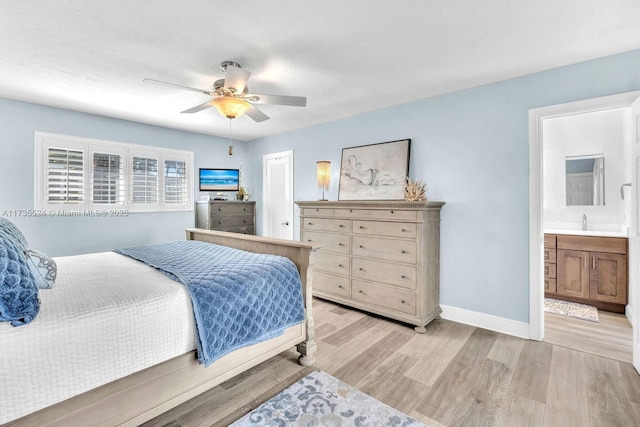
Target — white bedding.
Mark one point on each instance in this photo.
(107, 316)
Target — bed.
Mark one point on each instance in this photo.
(150, 311)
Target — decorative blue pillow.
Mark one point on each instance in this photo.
(43, 268)
(14, 232)
(19, 302)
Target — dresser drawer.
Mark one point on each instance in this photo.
(387, 229)
(549, 255)
(316, 212)
(241, 230)
(225, 222)
(336, 285)
(381, 214)
(392, 298)
(384, 249)
(331, 242)
(227, 208)
(549, 270)
(327, 224)
(385, 272)
(334, 263)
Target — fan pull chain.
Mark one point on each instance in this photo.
(230, 146)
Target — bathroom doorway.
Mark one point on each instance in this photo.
(578, 131)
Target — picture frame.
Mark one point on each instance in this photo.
(375, 171)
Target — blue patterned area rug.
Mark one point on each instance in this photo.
(571, 309)
(322, 400)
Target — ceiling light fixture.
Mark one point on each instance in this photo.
(230, 107)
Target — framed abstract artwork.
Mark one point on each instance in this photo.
(375, 171)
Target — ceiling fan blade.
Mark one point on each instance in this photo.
(256, 114)
(193, 89)
(235, 78)
(295, 101)
(198, 107)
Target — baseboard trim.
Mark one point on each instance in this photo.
(486, 321)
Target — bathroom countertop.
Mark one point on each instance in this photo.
(595, 233)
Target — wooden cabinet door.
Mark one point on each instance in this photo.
(572, 275)
(608, 281)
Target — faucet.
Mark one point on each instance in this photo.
(584, 222)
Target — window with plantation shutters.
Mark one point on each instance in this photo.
(65, 176)
(175, 182)
(144, 188)
(74, 173)
(108, 179)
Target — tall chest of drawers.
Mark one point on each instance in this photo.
(378, 256)
(236, 217)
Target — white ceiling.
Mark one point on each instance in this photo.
(346, 56)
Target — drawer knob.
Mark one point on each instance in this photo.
(403, 251)
(340, 265)
(340, 244)
(402, 302)
(361, 269)
(341, 226)
(220, 209)
(360, 291)
(219, 222)
(309, 240)
(244, 209)
(403, 277)
(340, 286)
(245, 221)
(391, 211)
(361, 246)
(310, 223)
(362, 227)
(403, 230)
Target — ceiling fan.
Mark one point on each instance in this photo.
(231, 95)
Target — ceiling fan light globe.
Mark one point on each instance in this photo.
(230, 107)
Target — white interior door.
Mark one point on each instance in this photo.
(634, 234)
(278, 195)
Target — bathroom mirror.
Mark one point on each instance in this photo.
(585, 180)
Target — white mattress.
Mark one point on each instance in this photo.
(107, 316)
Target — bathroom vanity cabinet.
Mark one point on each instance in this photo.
(588, 270)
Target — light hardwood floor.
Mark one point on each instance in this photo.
(454, 375)
(611, 337)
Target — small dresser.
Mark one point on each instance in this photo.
(378, 256)
(236, 217)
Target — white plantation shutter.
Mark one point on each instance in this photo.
(144, 189)
(108, 179)
(81, 174)
(175, 182)
(65, 176)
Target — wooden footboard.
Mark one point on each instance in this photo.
(144, 395)
(302, 255)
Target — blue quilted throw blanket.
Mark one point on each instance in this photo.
(239, 298)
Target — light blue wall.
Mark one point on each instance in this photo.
(69, 236)
(472, 150)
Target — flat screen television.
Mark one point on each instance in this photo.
(219, 179)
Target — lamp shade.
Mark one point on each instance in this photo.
(323, 174)
(230, 107)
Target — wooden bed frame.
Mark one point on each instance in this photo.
(144, 395)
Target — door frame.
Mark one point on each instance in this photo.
(266, 199)
(536, 231)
